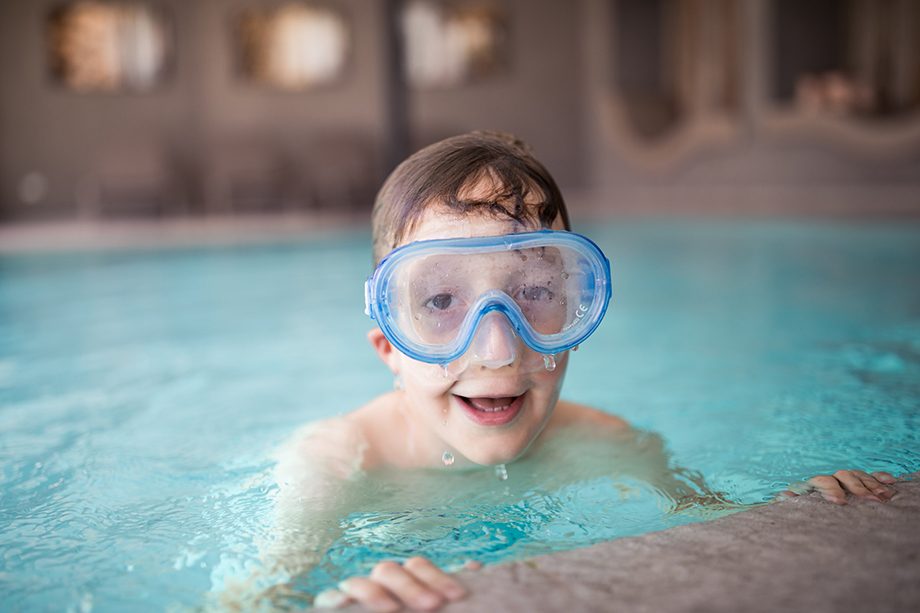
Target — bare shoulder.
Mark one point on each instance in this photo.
(336, 445)
(384, 425)
(569, 413)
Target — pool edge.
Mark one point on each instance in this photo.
(803, 554)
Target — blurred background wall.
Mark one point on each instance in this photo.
(215, 107)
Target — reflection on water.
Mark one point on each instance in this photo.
(143, 393)
(579, 489)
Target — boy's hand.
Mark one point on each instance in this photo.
(836, 487)
(416, 583)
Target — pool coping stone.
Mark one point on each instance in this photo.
(802, 554)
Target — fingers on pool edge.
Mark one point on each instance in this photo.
(435, 578)
(408, 588)
(371, 594)
(887, 479)
(858, 483)
(830, 488)
(332, 599)
(873, 484)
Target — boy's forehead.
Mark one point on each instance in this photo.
(439, 221)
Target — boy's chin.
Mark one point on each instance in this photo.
(494, 457)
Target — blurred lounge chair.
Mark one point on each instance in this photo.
(241, 179)
(135, 180)
(338, 172)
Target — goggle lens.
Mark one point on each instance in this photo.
(430, 296)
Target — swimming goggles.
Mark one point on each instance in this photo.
(430, 297)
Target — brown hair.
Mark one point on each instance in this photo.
(439, 172)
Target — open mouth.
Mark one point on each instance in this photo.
(491, 411)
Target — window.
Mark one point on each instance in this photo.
(292, 47)
(109, 47)
(676, 61)
(857, 58)
(450, 45)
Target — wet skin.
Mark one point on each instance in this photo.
(494, 413)
(495, 409)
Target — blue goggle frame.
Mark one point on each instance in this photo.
(376, 289)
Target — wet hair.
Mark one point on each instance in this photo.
(522, 189)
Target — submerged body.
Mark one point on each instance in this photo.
(497, 404)
(579, 480)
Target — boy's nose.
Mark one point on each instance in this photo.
(495, 344)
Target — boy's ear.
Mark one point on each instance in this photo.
(384, 349)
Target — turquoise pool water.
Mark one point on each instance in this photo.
(143, 392)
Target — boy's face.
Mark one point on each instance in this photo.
(497, 408)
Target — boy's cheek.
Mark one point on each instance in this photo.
(425, 384)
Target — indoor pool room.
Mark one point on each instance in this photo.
(146, 391)
(468, 306)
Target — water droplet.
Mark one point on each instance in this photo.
(445, 422)
(549, 361)
(445, 372)
(501, 473)
(418, 316)
(447, 458)
(565, 275)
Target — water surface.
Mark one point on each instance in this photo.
(143, 392)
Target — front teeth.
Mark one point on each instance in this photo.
(504, 408)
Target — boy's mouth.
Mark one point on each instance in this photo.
(491, 411)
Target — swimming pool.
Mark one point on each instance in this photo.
(142, 393)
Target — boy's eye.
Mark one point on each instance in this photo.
(441, 302)
(537, 292)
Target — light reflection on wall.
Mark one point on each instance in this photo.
(293, 47)
(103, 47)
(448, 46)
(869, 64)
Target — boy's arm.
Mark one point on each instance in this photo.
(639, 454)
(835, 487)
(687, 489)
(312, 474)
(416, 583)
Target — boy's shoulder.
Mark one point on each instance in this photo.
(368, 436)
(336, 445)
(569, 414)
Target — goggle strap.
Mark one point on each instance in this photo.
(367, 299)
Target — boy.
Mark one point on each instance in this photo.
(480, 292)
